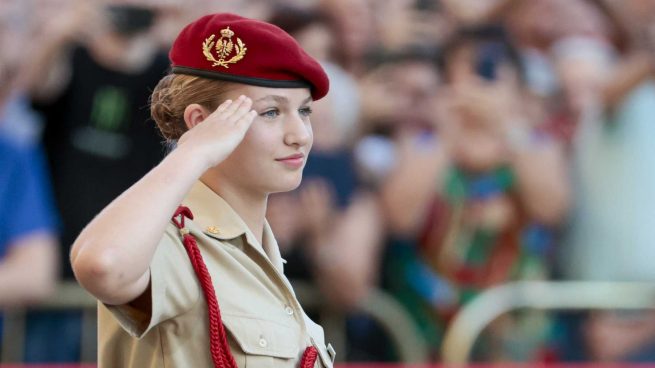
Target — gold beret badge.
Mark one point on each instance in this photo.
(224, 48)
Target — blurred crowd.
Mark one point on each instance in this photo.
(463, 144)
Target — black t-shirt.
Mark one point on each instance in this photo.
(99, 139)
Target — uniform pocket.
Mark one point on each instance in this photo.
(260, 338)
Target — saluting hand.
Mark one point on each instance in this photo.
(215, 137)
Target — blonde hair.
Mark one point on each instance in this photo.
(175, 92)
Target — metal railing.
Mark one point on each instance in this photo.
(379, 306)
(382, 308)
(69, 296)
(568, 295)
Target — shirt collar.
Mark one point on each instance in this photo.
(213, 214)
(217, 219)
(271, 248)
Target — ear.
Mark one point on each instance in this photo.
(194, 114)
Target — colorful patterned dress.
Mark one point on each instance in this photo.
(476, 236)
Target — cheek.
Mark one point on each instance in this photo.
(252, 149)
(310, 131)
(260, 137)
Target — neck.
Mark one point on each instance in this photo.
(250, 206)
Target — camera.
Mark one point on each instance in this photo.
(129, 20)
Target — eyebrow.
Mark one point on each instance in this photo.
(281, 99)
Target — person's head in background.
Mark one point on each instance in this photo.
(480, 55)
(355, 27)
(398, 91)
(313, 28)
(539, 23)
(583, 66)
(484, 96)
(584, 50)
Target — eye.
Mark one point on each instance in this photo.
(305, 111)
(270, 113)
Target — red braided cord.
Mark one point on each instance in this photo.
(219, 348)
(309, 357)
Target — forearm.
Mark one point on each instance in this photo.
(47, 70)
(45, 74)
(408, 189)
(349, 253)
(28, 274)
(630, 73)
(111, 257)
(542, 181)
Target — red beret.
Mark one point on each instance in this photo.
(237, 49)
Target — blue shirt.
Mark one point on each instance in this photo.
(26, 204)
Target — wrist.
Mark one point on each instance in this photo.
(186, 159)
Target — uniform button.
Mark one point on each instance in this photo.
(263, 343)
(289, 310)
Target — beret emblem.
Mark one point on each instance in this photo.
(223, 49)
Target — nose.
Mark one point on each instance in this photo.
(298, 131)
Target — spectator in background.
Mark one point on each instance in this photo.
(489, 194)
(29, 262)
(90, 75)
(397, 96)
(612, 228)
(311, 27)
(28, 236)
(92, 83)
(354, 28)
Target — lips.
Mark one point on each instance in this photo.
(295, 161)
(291, 157)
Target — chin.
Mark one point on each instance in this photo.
(286, 184)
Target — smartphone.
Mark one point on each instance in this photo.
(130, 19)
(427, 5)
(490, 55)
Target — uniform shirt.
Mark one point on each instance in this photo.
(265, 324)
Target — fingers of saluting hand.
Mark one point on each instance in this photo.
(233, 111)
(244, 112)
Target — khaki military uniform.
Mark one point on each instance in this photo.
(265, 324)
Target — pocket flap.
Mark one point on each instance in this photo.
(263, 337)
